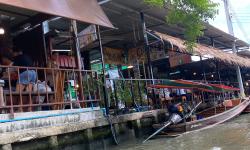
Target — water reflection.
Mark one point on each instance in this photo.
(233, 135)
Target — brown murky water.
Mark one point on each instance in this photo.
(232, 135)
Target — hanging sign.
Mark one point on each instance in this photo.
(87, 36)
(176, 59)
(113, 56)
(157, 54)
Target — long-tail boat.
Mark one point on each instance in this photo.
(209, 117)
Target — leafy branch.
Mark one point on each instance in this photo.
(189, 14)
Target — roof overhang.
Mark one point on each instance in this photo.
(125, 15)
(87, 11)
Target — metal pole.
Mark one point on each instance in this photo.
(231, 31)
(146, 46)
(147, 49)
(239, 78)
(116, 97)
(132, 93)
(103, 71)
(203, 69)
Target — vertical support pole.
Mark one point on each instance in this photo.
(139, 91)
(53, 142)
(44, 43)
(116, 97)
(132, 93)
(88, 134)
(77, 46)
(11, 98)
(147, 49)
(137, 128)
(78, 56)
(6, 147)
(203, 69)
(231, 31)
(103, 71)
(146, 45)
(217, 72)
(238, 73)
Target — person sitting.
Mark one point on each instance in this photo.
(27, 77)
(6, 61)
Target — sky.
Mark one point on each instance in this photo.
(242, 15)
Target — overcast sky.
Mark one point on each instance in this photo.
(242, 10)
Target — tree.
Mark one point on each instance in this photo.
(189, 14)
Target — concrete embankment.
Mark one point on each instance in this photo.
(66, 129)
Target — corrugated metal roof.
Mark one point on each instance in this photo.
(124, 14)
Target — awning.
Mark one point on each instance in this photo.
(203, 50)
(87, 11)
(186, 84)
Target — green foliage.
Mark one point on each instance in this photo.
(123, 91)
(189, 14)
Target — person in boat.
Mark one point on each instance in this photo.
(175, 109)
(181, 93)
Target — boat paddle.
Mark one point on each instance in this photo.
(174, 119)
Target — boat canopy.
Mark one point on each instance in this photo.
(185, 84)
(88, 11)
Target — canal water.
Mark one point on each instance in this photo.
(232, 135)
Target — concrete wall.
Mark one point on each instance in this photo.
(19, 131)
(59, 123)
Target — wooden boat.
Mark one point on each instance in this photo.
(210, 117)
(247, 110)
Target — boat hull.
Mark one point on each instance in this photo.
(207, 122)
(217, 119)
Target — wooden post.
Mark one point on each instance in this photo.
(6, 147)
(78, 57)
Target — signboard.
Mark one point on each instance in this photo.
(87, 36)
(176, 59)
(157, 55)
(135, 54)
(113, 74)
(113, 56)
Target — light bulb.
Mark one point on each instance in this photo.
(2, 31)
(129, 67)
